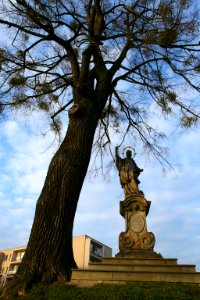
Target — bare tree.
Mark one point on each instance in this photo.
(77, 54)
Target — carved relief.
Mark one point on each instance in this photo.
(136, 237)
(128, 240)
(137, 222)
(148, 240)
(134, 204)
(125, 240)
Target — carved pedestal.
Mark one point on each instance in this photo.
(136, 241)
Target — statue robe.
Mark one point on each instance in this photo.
(128, 172)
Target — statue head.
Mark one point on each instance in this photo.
(128, 154)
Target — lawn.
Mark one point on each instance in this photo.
(135, 291)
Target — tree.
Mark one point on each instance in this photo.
(78, 53)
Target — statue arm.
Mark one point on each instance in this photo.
(138, 171)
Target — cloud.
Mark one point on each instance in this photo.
(23, 163)
(175, 207)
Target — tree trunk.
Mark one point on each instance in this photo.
(49, 254)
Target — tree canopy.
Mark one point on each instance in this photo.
(148, 49)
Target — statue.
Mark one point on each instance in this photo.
(128, 172)
(135, 241)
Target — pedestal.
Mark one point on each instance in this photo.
(136, 241)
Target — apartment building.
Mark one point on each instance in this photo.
(9, 262)
(86, 250)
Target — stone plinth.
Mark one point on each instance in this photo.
(121, 270)
(136, 241)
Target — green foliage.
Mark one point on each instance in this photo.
(17, 81)
(56, 125)
(168, 37)
(197, 68)
(21, 100)
(165, 11)
(171, 96)
(44, 88)
(134, 110)
(54, 98)
(166, 99)
(20, 54)
(43, 105)
(74, 25)
(131, 291)
(188, 121)
(164, 105)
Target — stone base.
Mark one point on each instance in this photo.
(122, 270)
(138, 253)
(136, 241)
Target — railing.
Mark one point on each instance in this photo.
(11, 272)
(17, 256)
(14, 259)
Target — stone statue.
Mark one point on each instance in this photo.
(128, 172)
(136, 241)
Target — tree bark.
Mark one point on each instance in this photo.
(49, 254)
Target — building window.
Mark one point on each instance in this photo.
(96, 250)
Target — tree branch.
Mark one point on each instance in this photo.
(62, 109)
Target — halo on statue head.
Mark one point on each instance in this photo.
(129, 147)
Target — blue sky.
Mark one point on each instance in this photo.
(175, 209)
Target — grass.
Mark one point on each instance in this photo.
(131, 291)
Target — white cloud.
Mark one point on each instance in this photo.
(173, 217)
(24, 163)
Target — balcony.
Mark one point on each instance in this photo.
(16, 261)
(17, 256)
(12, 272)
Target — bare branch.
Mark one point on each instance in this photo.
(62, 109)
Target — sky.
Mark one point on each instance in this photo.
(175, 196)
(174, 216)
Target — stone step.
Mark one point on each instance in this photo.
(92, 277)
(139, 261)
(142, 267)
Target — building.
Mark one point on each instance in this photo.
(86, 250)
(9, 262)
